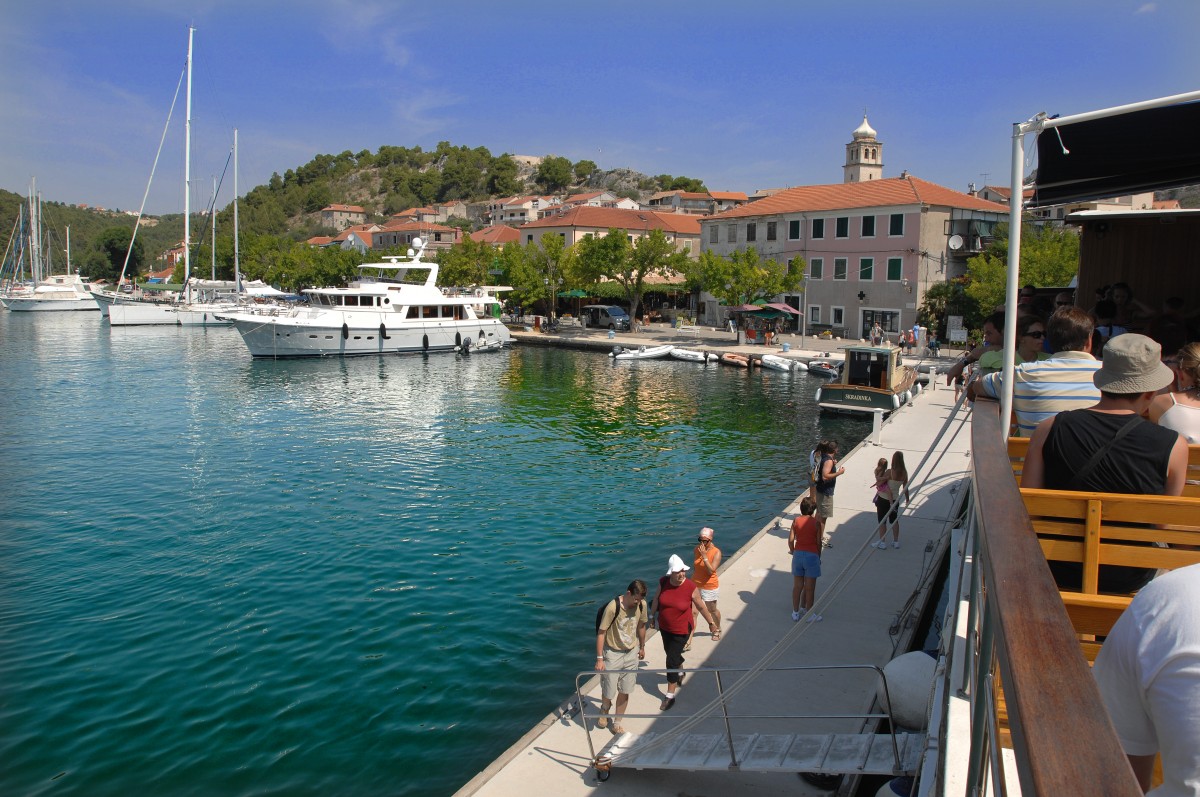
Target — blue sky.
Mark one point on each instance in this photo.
(743, 95)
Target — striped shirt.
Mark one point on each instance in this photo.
(1046, 388)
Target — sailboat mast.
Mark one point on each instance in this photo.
(35, 234)
(212, 213)
(237, 272)
(68, 249)
(187, 173)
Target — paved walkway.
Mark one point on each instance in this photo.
(879, 593)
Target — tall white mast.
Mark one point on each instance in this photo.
(187, 173)
(68, 248)
(213, 213)
(237, 273)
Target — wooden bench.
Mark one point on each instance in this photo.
(1018, 446)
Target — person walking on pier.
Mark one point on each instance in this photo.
(804, 543)
(897, 479)
(620, 644)
(706, 559)
(672, 612)
(826, 483)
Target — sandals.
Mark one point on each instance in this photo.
(602, 720)
(616, 729)
(667, 703)
(716, 635)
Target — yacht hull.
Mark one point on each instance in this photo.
(331, 335)
(21, 304)
(149, 314)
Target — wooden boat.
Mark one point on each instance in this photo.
(776, 363)
(827, 368)
(640, 353)
(872, 378)
(693, 356)
(738, 360)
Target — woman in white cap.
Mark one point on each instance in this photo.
(672, 612)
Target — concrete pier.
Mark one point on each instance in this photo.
(870, 600)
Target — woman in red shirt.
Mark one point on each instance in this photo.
(672, 612)
(805, 545)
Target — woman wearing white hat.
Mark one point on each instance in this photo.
(672, 612)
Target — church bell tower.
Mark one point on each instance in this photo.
(864, 156)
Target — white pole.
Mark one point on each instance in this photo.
(1014, 273)
(187, 174)
(237, 273)
(213, 223)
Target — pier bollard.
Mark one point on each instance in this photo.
(876, 426)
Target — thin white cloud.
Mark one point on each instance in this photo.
(1147, 8)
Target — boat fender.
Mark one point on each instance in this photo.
(817, 397)
(425, 342)
(458, 339)
(895, 401)
(909, 677)
(383, 332)
(345, 330)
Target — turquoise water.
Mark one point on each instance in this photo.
(359, 576)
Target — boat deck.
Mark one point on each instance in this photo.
(878, 601)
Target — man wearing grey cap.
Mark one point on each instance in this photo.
(1109, 447)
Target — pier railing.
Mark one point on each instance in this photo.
(1020, 636)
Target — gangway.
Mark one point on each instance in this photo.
(757, 748)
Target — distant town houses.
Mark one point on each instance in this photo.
(695, 203)
(574, 224)
(497, 235)
(339, 217)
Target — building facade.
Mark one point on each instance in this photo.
(872, 245)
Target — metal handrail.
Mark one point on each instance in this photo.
(588, 675)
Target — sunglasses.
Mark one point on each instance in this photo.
(1037, 333)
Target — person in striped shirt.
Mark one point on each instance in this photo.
(1045, 388)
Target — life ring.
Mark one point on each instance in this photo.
(479, 292)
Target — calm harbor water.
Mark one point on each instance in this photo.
(363, 576)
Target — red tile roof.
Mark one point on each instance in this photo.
(358, 228)
(872, 193)
(496, 234)
(733, 195)
(319, 240)
(344, 208)
(415, 226)
(603, 218)
(1006, 191)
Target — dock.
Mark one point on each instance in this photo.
(870, 600)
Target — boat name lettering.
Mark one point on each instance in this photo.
(858, 396)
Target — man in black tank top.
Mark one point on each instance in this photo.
(1109, 448)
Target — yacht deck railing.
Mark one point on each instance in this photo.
(1019, 634)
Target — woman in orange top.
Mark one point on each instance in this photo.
(707, 558)
(804, 543)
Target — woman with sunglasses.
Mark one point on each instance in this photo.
(1031, 332)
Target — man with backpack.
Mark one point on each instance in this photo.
(620, 629)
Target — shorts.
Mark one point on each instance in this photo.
(613, 683)
(885, 507)
(709, 595)
(805, 564)
(824, 505)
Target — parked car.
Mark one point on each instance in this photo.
(606, 316)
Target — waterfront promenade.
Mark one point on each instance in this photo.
(871, 618)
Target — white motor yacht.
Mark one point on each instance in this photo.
(383, 311)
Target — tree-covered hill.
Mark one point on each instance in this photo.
(288, 206)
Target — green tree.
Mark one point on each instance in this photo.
(466, 263)
(1049, 258)
(551, 262)
(743, 276)
(584, 169)
(944, 299)
(110, 248)
(502, 177)
(553, 173)
(614, 258)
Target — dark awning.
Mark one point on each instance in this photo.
(1127, 153)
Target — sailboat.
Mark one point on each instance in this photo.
(49, 292)
(202, 301)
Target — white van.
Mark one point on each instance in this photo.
(605, 316)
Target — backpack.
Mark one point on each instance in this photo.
(600, 612)
(815, 476)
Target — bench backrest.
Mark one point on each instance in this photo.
(1017, 446)
(1114, 529)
